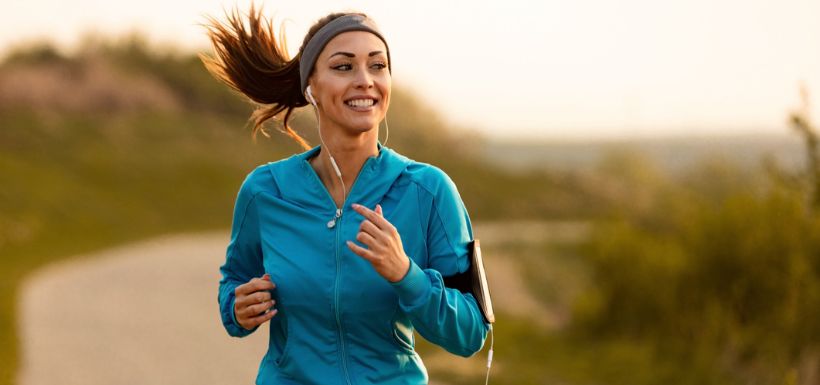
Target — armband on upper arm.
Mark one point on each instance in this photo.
(474, 281)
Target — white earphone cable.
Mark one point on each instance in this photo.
(386, 130)
(324, 146)
(332, 160)
(489, 356)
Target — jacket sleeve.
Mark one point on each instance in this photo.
(243, 259)
(444, 316)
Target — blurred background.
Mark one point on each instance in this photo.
(644, 177)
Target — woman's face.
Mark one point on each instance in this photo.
(351, 82)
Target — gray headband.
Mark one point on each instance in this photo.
(346, 23)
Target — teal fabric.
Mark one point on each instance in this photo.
(339, 322)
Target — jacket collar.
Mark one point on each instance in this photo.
(298, 182)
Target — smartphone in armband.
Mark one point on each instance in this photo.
(474, 281)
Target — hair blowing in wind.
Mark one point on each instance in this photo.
(250, 59)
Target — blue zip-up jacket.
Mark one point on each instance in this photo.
(340, 322)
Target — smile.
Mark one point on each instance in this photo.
(361, 103)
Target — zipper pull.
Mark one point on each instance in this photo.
(332, 223)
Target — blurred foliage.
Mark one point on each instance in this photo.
(717, 269)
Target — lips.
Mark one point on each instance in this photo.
(361, 102)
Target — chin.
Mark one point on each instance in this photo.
(361, 129)
(362, 126)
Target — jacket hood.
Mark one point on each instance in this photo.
(299, 184)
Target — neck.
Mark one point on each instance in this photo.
(350, 154)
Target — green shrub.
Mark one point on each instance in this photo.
(717, 267)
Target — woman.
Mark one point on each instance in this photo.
(342, 248)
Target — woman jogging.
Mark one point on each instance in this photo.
(340, 249)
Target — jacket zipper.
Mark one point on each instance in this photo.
(336, 298)
(335, 223)
(332, 223)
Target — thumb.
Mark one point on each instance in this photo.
(379, 209)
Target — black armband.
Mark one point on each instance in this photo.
(474, 281)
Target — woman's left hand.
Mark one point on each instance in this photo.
(384, 250)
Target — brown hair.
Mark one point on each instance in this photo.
(250, 60)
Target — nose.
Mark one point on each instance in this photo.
(363, 79)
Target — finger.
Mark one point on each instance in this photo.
(370, 228)
(243, 301)
(361, 251)
(257, 309)
(266, 283)
(258, 284)
(258, 320)
(377, 219)
(244, 288)
(261, 296)
(366, 239)
(255, 284)
(379, 210)
(253, 298)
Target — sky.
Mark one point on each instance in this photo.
(552, 69)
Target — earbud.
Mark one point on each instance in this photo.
(310, 96)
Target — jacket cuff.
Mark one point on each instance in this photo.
(414, 286)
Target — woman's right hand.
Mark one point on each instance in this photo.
(253, 305)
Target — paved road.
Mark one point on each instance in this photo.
(146, 313)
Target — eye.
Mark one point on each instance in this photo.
(378, 66)
(342, 67)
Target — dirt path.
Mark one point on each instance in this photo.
(141, 314)
(146, 313)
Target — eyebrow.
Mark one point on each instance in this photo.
(348, 54)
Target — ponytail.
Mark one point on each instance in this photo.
(251, 61)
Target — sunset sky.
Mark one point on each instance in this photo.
(567, 69)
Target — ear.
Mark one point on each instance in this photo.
(309, 96)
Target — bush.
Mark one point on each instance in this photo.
(717, 266)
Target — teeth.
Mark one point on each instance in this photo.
(360, 102)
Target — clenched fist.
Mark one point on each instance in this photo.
(254, 305)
